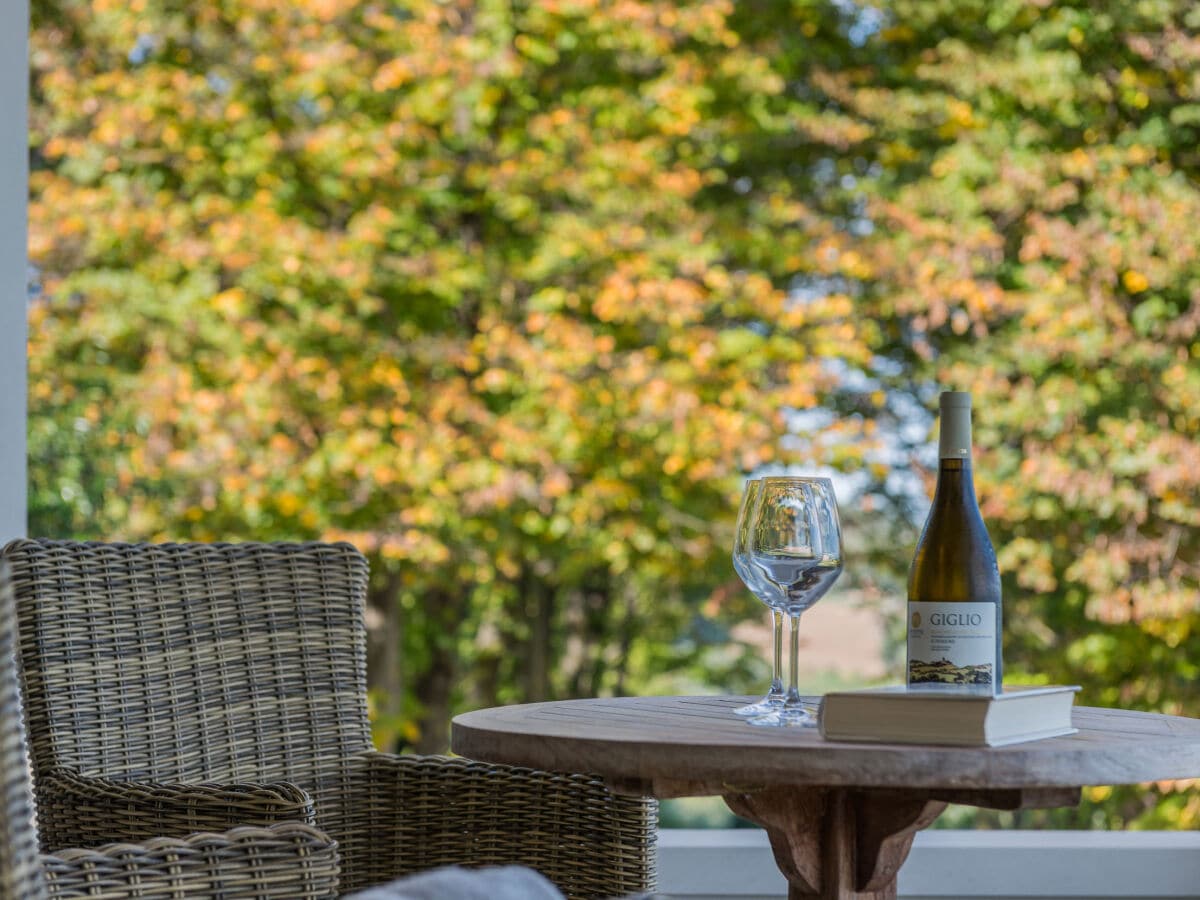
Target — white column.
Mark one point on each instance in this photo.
(14, 181)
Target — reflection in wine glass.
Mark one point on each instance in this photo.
(768, 593)
(794, 539)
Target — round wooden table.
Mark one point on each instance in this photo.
(841, 817)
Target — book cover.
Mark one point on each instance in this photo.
(928, 715)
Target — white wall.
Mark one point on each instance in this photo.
(736, 864)
(14, 179)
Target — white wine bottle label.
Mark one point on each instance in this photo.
(952, 645)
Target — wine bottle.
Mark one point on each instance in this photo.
(954, 582)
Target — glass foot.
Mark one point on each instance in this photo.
(771, 703)
(785, 717)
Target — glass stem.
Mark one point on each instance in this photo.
(777, 666)
(793, 693)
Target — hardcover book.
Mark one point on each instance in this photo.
(927, 715)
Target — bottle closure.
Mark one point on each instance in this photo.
(954, 434)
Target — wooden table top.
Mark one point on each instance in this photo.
(700, 739)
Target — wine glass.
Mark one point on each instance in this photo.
(769, 594)
(795, 540)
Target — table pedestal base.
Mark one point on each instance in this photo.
(849, 843)
(838, 844)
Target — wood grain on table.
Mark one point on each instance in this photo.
(699, 738)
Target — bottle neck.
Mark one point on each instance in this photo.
(957, 470)
(955, 488)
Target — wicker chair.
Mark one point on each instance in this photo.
(181, 687)
(287, 861)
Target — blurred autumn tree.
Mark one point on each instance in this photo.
(1035, 242)
(499, 292)
(511, 294)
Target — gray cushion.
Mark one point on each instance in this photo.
(455, 883)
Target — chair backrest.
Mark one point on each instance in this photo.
(20, 867)
(192, 662)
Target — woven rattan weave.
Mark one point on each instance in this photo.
(172, 687)
(291, 861)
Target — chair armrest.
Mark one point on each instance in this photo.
(82, 811)
(405, 814)
(291, 861)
